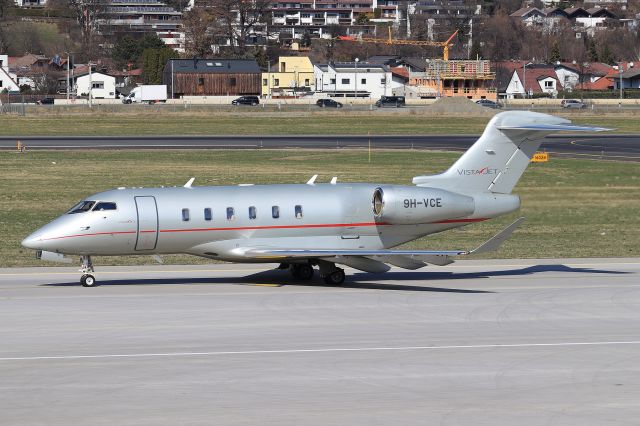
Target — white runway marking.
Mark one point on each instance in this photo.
(320, 350)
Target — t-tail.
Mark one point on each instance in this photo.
(497, 160)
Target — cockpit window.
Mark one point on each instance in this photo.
(104, 205)
(82, 207)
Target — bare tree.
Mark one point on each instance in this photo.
(241, 18)
(197, 32)
(87, 14)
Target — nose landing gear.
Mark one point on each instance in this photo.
(87, 279)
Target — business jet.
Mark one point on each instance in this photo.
(303, 226)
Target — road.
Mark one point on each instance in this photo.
(615, 147)
(499, 342)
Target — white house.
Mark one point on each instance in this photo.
(7, 79)
(351, 79)
(101, 86)
(533, 79)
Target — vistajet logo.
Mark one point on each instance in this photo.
(474, 172)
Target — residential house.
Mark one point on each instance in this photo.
(292, 76)
(97, 84)
(30, 3)
(630, 79)
(212, 77)
(533, 79)
(7, 79)
(355, 79)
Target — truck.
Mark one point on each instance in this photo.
(150, 93)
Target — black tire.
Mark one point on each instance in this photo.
(305, 272)
(88, 280)
(335, 278)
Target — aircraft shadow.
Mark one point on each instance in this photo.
(359, 280)
(530, 270)
(274, 278)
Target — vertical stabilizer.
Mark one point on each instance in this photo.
(497, 160)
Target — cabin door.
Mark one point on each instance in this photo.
(147, 237)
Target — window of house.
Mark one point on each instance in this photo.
(230, 214)
(306, 82)
(363, 81)
(185, 215)
(265, 81)
(0, 83)
(276, 82)
(232, 81)
(346, 81)
(548, 84)
(97, 85)
(253, 212)
(383, 81)
(200, 81)
(332, 81)
(275, 212)
(207, 214)
(298, 212)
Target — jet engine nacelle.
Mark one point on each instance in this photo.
(409, 205)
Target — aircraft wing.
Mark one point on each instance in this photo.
(374, 260)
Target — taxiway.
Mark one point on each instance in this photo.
(497, 342)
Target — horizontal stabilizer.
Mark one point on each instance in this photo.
(555, 128)
(497, 240)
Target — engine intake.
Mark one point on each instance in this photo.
(404, 205)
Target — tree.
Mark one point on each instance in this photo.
(198, 36)
(128, 50)
(555, 53)
(240, 18)
(592, 50)
(5, 7)
(87, 13)
(476, 50)
(607, 56)
(362, 19)
(154, 61)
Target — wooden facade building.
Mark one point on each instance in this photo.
(212, 77)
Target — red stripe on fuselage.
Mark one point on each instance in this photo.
(253, 228)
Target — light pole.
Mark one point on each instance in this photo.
(268, 79)
(90, 87)
(524, 80)
(620, 69)
(356, 95)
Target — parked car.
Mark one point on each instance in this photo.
(45, 101)
(329, 103)
(488, 103)
(572, 103)
(391, 101)
(246, 100)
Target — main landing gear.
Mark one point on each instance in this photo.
(331, 274)
(87, 279)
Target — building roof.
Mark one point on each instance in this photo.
(536, 73)
(526, 12)
(630, 73)
(400, 72)
(603, 83)
(214, 66)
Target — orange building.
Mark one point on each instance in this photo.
(471, 79)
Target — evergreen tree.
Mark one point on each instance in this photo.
(555, 53)
(592, 50)
(607, 56)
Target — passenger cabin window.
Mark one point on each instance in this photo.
(207, 213)
(252, 212)
(230, 214)
(104, 205)
(82, 207)
(275, 212)
(185, 215)
(298, 212)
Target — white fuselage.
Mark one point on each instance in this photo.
(197, 220)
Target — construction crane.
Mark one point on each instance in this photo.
(444, 44)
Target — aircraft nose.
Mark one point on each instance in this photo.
(32, 242)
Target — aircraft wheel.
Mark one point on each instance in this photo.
(335, 278)
(88, 280)
(302, 271)
(305, 272)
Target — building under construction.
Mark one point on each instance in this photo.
(440, 78)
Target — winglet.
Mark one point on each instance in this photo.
(188, 184)
(496, 241)
(334, 180)
(312, 180)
